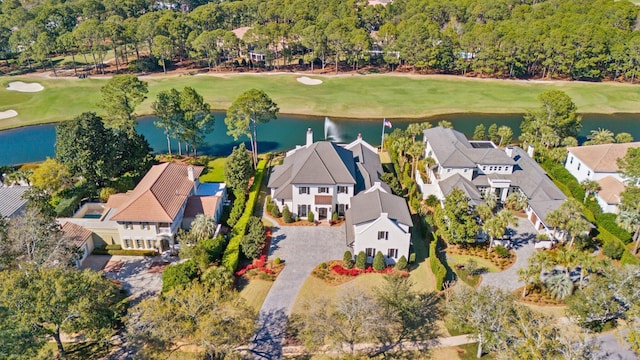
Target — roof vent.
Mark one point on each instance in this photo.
(309, 137)
(190, 173)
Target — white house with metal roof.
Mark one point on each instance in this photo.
(379, 221)
(600, 163)
(322, 177)
(11, 202)
(478, 167)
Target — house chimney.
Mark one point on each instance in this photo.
(509, 151)
(190, 173)
(530, 151)
(359, 136)
(309, 137)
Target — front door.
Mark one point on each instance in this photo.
(322, 213)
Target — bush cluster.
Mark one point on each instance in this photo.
(438, 269)
(379, 263)
(287, 217)
(402, 263)
(272, 208)
(231, 255)
(613, 249)
(347, 260)
(104, 251)
(179, 275)
(361, 260)
(502, 251)
(238, 207)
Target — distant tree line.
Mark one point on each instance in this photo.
(577, 39)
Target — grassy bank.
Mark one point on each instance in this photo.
(357, 96)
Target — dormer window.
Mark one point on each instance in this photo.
(342, 189)
(303, 190)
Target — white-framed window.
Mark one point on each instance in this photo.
(303, 210)
(342, 208)
(150, 244)
(145, 226)
(128, 225)
(343, 189)
(323, 190)
(589, 173)
(579, 166)
(370, 251)
(383, 235)
(127, 243)
(484, 168)
(139, 243)
(392, 253)
(448, 170)
(571, 160)
(303, 190)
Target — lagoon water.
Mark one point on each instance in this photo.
(35, 143)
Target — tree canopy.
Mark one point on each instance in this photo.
(250, 109)
(120, 96)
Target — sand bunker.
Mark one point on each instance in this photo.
(25, 87)
(8, 114)
(309, 81)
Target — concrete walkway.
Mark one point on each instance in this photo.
(524, 248)
(302, 248)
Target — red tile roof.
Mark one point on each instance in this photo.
(201, 205)
(75, 234)
(158, 197)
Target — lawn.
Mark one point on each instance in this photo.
(352, 96)
(462, 259)
(255, 292)
(215, 171)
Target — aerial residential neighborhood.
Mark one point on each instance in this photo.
(262, 179)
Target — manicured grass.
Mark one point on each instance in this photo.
(314, 289)
(353, 96)
(215, 171)
(462, 259)
(421, 274)
(468, 352)
(255, 292)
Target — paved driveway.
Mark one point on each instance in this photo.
(302, 248)
(141, 276)
(523, 245)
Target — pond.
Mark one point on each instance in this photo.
(35, 143)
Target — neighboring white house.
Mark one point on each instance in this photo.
(11, 202)
(599, 163)
(379, 221)
(479, 167)
(149, 216)
(322, 177)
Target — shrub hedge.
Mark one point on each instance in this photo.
(231, 255)
(103, 251)
(439, 270)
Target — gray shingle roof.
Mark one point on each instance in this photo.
(544, 196)
(325, 163)
(453, 150)
(458, 181)
(368, 206)
(11, 201)
(322, 163)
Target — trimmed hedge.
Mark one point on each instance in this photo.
(67, 206)
(102, 251)
(231, 255)
(629, 259)
(439, 270)
(608, 222)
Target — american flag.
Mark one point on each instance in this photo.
(387, 123)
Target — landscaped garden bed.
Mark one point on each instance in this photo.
(334, 273)
(537, 297)
(501, 260)
(262, 269)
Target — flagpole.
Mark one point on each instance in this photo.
(382, 143)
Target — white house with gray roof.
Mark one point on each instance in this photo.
(477, 167)
(322, 177)
(379, 221)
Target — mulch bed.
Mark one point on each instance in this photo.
(537, 298)
(333, 273)
(482, 252)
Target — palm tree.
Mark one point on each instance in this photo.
(401, 145)
(555, 218)
(202, 227)
(415, 151)
(590, 187)
(516, 201)
(559, 285)
(484, 212)
(576, 226)
(507, 217)
(600, 136)
(494, 228)
(491, 199)
(528, 275)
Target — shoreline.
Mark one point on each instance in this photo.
(428, 118)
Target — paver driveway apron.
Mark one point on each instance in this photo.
(302, 248)
(524, 248)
